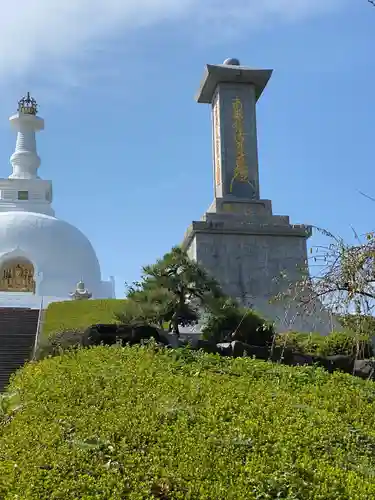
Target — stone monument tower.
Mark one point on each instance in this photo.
(254, 254)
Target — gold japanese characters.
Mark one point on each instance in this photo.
(240, 173)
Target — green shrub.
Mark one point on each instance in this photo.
(347, 343)
(358, 323)
(343, 342)
(229, 318)
(306, 343)
(79, 314)
(114, 423)
(104, 334)
(57, 343)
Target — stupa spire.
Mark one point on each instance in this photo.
(25, 160)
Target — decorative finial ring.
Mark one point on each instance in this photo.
(27, 105)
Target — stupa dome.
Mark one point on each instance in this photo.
(41, 257)
(57, 253)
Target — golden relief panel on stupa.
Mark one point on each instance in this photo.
(17, 276)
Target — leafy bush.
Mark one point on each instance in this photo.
(99, 334)
(145, 310)
(59, 342)
(115, 423)
(229, 321)
(79, 314)
(125, 334)
(343, 342)
(347, 343)
(358, 323)
(65, 322)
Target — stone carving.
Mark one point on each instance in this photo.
(17, 276)
(240, 173)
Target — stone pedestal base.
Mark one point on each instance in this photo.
(255, 256)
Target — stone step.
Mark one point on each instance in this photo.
(17, 336)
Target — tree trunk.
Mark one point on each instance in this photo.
(177, 314)
(174, 325)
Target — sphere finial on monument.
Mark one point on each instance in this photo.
(232, 61)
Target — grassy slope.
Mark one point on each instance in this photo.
(115, 423)
(78, 314)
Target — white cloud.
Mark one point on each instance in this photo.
(41, 32)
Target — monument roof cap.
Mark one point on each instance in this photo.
(231, 73)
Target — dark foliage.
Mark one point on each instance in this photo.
(59, 342)
(173, 291)
(124, 334)
(99, 334)
(228, 321)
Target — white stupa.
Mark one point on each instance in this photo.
(40, 255)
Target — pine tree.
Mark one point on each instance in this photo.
(174, 290)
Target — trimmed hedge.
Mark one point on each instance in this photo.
(59, 342)
(140, 423)
(77, 315)
(345, 343)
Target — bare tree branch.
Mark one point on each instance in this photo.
(360, 192)
(342, 278)
(372, 2)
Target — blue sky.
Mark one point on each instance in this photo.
(128, 148)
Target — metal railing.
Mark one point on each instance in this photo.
(38, 326)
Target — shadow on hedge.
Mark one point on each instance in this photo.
(111, 334)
